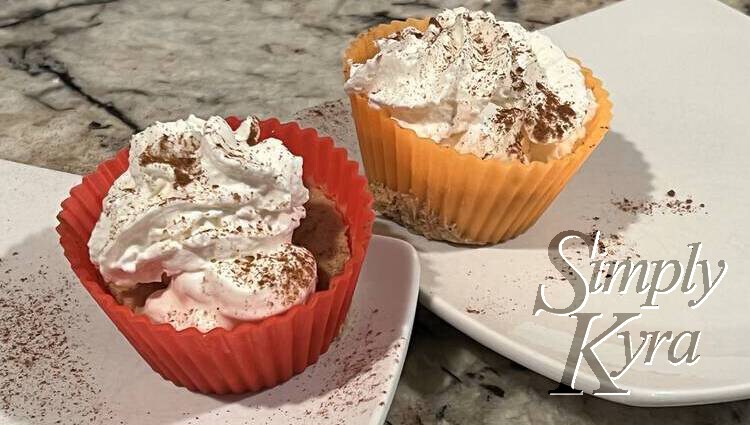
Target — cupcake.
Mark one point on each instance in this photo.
(469, 127)
(226, 254)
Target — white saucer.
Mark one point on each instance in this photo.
(97, 376)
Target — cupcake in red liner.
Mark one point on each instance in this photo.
(252, 355)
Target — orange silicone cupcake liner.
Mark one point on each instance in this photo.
(253, 355)
(485, 201)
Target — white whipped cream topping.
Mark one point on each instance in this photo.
(197, 195)
(483, 86)
(231, 291)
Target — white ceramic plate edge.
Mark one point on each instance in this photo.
(413, 299)
(550, 368)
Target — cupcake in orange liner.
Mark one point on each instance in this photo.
(435, 190)
(253, 354)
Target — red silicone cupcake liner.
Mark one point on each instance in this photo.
(253, 355)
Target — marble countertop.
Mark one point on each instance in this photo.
(78, 77)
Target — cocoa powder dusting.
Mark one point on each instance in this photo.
(254, 136)
(672, 204)
(180, 154)
(516, 149)
(553, 117)
(354, 375)
(507, 117)
(45, 377)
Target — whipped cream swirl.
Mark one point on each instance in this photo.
(214, 210)
(483, 86)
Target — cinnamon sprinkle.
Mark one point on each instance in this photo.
(671, 204)
(45, 375)
(553, 118)
(184, 161)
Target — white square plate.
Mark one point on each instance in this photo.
(64, 359)
(678, 72)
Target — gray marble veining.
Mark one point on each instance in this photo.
(77, 77)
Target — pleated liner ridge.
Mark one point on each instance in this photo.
(253, 355)
(486, 201)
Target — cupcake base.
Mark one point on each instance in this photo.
(323, 233)
(135, 296)
(409, 211)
